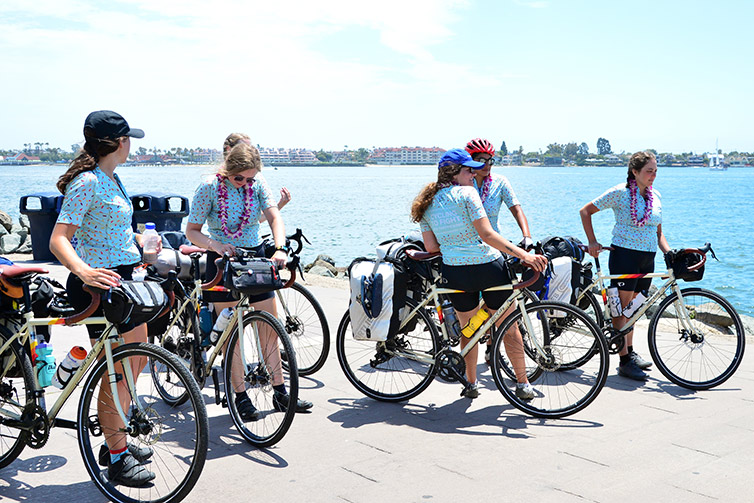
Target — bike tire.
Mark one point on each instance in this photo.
(532, 370)
(385, 371)
(558, 393)
(705, 358)
(179, 340)
(580, 353)
(306, 325)
(258, 373)
(15, 372)
(177, 434)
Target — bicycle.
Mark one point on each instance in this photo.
(405, 364)
(177, 435)
(249, 367)
(696, 337)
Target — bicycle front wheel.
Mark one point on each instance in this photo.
(394, 370)
(306, 325)
(177, 436)
(558, 392)
(253, 365)
(16, 394)
(697, 342)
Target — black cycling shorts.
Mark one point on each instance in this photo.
(228, 296)
(472, 279)
(627, 261)
(80, 299)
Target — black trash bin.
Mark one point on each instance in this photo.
(165, 210)
(42, 209)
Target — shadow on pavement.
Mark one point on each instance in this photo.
(21, 491)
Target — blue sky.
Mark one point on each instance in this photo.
(669, 75)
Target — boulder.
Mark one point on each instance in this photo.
(24, 221)
(25, 247)
(325, 258)
(322, 263)
(10, 243)
(321, 271)
(6, 221)
(3, 230)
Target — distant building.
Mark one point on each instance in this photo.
(21, 159)
(553, 161)
(406, 155)
(695, 160)
(272, 156)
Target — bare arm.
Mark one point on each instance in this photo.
(495, 240)
(523, 223)
(430, 241)
(278, 233)
(285, 198)
(195, 235)
(661, 241)
(61, 247)
(586, 213)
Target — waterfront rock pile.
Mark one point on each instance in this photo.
(324, 265)
(15, 237)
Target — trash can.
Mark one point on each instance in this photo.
(42, 209)
(165, 210)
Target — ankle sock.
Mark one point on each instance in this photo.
(625, 359)
(630, 349)
(280, 388)
(116, 455)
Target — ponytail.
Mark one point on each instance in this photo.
(87, 158)
(445, 176)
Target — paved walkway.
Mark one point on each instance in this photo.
(636, 442)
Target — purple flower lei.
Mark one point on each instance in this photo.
(647, 209)
(486, 187)
(222, 197)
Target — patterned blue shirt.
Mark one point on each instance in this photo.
(450, 217)
(500, 192)
(205, 208)
(625, 233)
(101, 209)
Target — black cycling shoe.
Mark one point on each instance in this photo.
(129, 472)
(281, 401)
(245, 408)
(632, 371)
(140, 453)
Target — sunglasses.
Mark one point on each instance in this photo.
(243, 179)
(488, 160)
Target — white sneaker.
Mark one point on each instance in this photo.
(524, 391)
(471, 392)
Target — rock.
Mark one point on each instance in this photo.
(3, 230)
(24, 221)
(322, 263)
(22, 233)
(6, 221)
(321, 271)
(24, 248)
(9, 243)
(748, 323)
(325, 258)
(16, 228)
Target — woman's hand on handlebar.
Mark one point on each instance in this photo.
(99, 278)
(594, 249)
(279, 258)
(222, 248)
(535, 262)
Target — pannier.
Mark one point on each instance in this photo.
(565, 246)
(134, 302)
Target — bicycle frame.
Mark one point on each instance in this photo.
(104, 342)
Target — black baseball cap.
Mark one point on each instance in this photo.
(108, 125)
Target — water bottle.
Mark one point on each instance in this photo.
(475, 322)
(68, 366)
(205, 323)
(450, 320)
(613, 302)
(149, 242)
(635, 304)
(45, 364)
(220, 324)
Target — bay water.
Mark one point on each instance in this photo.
(346, 211)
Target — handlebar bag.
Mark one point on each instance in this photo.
(134, 302)
(252, 276)
(681, 266)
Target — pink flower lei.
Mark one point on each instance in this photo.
(647, 209)
(222, 196)
(486, 188)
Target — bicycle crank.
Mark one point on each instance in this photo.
(450, 366)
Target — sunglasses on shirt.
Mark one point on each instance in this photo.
(243, 179)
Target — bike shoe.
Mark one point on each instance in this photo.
(639, 361)
(281, 401)
(140, 453)
(488, 355)
(245, 408)
(129, 472)
(632, 371)
(471, 391)
(524, 391)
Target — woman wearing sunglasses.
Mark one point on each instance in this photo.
(230, 202)
(494, 190)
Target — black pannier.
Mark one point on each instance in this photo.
(134, 303)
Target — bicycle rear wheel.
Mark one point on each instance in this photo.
(177, 435)
(16, 394)
(708, 354)
(262, 338)
(395, 370)
(306, 325)
(558, 392)
(579, 352)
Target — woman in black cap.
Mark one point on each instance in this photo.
(97, 212)
(453, 221)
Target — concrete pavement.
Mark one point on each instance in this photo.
(649, 442)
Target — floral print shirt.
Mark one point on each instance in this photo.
(205, 208)
(101, 209)
(450, 217)
(500, 192)
(625, 233)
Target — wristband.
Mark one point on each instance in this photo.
(283, 248)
